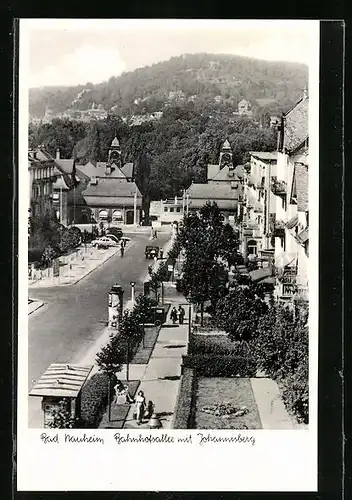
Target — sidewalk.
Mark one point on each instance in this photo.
(77, 266)
(160, 379)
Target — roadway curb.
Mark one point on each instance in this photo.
(39, 305)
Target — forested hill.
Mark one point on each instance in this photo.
(201, 77)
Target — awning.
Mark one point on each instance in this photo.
(303, 236)
(292, 222)
(260, 274)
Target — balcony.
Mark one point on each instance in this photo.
(301, 293)
(279, 188)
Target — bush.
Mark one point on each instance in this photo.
(209, 365)
(94, 398)
(217, 345)
(295, 393)
(69, 239)
(185, 406)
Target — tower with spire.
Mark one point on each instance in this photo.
(114, 155)
(226, 155)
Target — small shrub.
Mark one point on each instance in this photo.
(209, 365)
(94, 399)
(217, 345)
(185, 407)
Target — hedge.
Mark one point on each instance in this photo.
(209, 365)
(94, 399)
(217, 345)
(185, 406)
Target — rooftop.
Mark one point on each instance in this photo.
(61, 380)
(296, 125)
(265, 155)
(300, 179)
(112, 187)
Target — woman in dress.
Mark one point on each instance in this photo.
(140, 406)
(173, 315)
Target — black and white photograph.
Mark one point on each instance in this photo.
(171, 244)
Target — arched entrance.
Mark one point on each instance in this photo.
(129, 217)
(252, 247)
(103, 215)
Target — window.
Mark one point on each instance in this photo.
(171, 209)
(117, 215)
(178, 209)
(165, 209)
(56, 196)
(103, 214)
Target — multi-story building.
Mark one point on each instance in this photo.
(289, 226)
(256, 205)
(52, 185)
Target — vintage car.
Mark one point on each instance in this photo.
(151, 252)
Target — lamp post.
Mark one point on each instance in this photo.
(189, 316)
(132, 283)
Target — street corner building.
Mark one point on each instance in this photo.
(110, 192)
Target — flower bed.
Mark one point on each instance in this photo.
(210, 365)
(233, 395)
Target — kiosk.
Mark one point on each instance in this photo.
(115, 305)
(58, 382)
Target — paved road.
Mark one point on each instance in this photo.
(73, 316)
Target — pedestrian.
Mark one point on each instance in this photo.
(150, 410)
(122, 250)
(173, 315)
(140, 407)
(161, 253)
(181, 314)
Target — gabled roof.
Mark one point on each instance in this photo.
(115, 142)
(222, 194)
(99, 170)
(296, 125)
(60, 183)
(112, 187)
(226, 145)
(223, 175)
(213, 170)
(66, 165)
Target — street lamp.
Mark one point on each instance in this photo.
(132, 283)
(189, 316)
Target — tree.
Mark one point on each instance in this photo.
(130, 334)
(109, 360)
(239, 313)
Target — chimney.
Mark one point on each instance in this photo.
(58, 154)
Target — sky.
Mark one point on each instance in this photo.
(73, 52)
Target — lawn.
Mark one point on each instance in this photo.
(237, 391)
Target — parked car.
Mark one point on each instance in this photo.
(116, 231)
(104, 242)
(151, 252)
(113, 237)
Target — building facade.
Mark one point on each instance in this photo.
(52, 185)
(111, 193)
